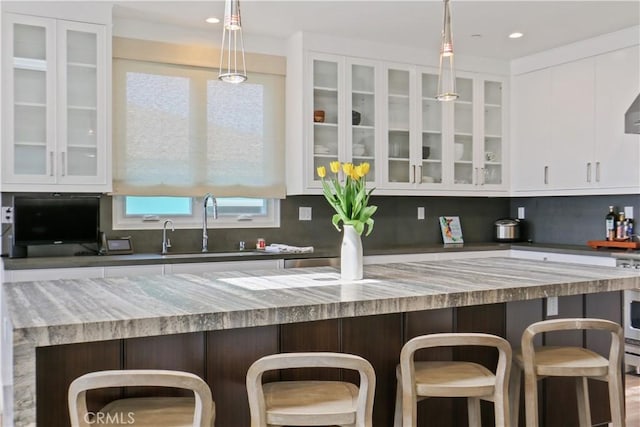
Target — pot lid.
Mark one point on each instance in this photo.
(508, 222)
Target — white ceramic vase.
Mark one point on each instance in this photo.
(351, 254)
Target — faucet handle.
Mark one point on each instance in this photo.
(168, 242)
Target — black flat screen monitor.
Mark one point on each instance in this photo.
(55, 220)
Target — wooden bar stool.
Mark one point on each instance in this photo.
(578, 362)
(197, 411)
(420, 380)
(311, 403)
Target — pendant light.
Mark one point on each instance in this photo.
(446, 75)
(232, 66)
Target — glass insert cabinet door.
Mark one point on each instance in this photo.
(399, 126)
(327, 113)
(493, 152)
(81, 130)
(464, 172)
(431, 143)
(362, 80)
(30, 124)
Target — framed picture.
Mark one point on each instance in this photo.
(451, 229)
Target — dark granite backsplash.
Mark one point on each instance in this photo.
(557, 220)
(396, 224)
(570, 220)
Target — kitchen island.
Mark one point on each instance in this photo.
(215, 324)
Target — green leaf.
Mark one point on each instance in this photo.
(336, 221)
(369, 226)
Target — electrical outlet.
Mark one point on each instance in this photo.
(304, 213)
(628, 212)
(521, 212)
(552, 306)
(421, 212)
(7, 215)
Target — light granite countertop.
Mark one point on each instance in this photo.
(193, 257)
(68, 311)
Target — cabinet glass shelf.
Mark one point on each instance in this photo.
(398, 95)
(325, 89)
(325, 124)
(30, 64)
(81, 107)
(30, 104)
(31, 143)
(81, 65)
(399, 159)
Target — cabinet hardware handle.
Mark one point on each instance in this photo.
(419, 174)
(413, 174)
(483, 175)
(477, 180)
(589, 172)
(63, 158)
(51, 160)
(546, 175)
(597, 171)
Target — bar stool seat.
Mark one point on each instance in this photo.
(310, 403)
(420, 380)
(196, 411)
(568, 361)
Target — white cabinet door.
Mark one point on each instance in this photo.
(29, 88)
(617, 155)
(572, 125)
(55, 105)
(204, 267)
(81, 111)
(53, 274)
(133, 270)
(530, 148)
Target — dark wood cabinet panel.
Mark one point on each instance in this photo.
(519, 315)
(489, 319)
(180, 352)
(379, 340)
(323, 335)
(435, 411)
(58, 366)
(606, 305)
(560, 406)
(229, 354)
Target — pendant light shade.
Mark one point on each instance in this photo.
(446, 75)
(232, 65)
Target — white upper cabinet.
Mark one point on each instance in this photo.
(55, 133)
(569, 127)
(617, 155)
(531, 120)
(433, 146)
(382, 110)
(340, 117)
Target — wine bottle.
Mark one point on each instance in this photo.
(610, 222)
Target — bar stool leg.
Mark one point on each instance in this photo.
(616, 400)
(473, 408)
(531, 404)
(515, 381)
(582, 394)
(397, 417)
(502, 407)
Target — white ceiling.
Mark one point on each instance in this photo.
(546, 24)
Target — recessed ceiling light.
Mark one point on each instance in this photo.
(212, 20)
(515, 35)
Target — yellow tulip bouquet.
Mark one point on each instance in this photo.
(349, 198)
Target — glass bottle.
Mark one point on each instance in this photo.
(610, 222)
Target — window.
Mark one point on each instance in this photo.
(149, 212)
(180, 133)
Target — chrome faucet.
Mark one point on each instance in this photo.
(166, 243)
(205, 237)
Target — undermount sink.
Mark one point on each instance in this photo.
(198, 254)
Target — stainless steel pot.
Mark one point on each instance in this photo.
(507, 230)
